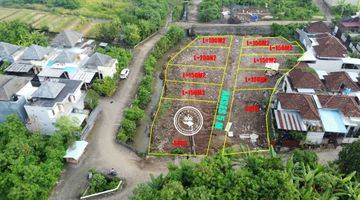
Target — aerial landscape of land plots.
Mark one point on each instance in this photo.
(219, 89)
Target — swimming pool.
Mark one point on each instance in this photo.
(70, 70)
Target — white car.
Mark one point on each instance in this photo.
(124, 73)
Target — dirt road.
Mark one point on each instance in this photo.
(194, 11)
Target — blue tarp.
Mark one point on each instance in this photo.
(332, 121)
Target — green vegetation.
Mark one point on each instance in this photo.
(287, 31)
(4, 65)
(250, 177)
(92, 99)
(68, 4)
(100, 182)
(108, 85)
(354, 54)
(136, 112)
(349, 158)
(30, 163)
(19, 33)
(137, 22)
(105, 87)
(210, 10)
(343, 10)
(281, 9)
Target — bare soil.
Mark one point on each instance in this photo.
(187, 57)
(164, 132)
(178, 90)
(247, 79)
(178, 73)
(206, 41)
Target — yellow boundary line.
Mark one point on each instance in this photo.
(252, 89)
(271, 54)
(153, 122)
(267, 110)
(200, 67)
(194, 100)
(245, 152)
(210, 47)
(203, 66)
(258, 69)
(219, 96)
(171, 154)
(192, 82)
(233, 93)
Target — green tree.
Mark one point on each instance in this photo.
(108, 32)
(106, 86)
(92, 99)
(134, 113)
(131, 34)
(349, 158)
(68, 129)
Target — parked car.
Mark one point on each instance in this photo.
(124, 73)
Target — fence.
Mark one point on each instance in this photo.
(94, 115)
(119, 186)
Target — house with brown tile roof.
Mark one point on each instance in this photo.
(302, 103)
(317, 27)
(329, 47)
(303, 80)
(348, 105)
(339, 81)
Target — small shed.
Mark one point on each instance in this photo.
(74, 152)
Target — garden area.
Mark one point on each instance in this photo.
(210, 10)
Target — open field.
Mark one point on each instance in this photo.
(233, 92)
(55, 23)
(167, 140)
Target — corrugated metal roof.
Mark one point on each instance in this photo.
(76, 150)
(287, 120)
(19, 67)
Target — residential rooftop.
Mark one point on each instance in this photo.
(329, 47)
(51, 92)
(348, 105)
(317, 27)
(67, 38)
(305, 77)
(10, 85)
(337, 81)
(302, 103)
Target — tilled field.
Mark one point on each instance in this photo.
(260, 61)
(191, 91)
(165, 136)
(202, 57)
(194, 74)
(249, 119)
(211, 41)
(256, 79)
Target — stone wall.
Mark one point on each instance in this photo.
(230, 29)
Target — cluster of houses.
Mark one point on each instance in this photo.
(321, 96)
(44, 83)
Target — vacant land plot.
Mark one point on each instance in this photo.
(256, 79)
(249, 119)
(55, 23)
(194, 74)
(167, 140)
(211, 41)
(232, 92)
(191, 91)
(261, 61)
(210, 57)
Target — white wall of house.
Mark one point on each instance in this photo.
(108, 71)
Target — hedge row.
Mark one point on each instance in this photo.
(136, 112)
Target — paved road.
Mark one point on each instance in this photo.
(103, 152)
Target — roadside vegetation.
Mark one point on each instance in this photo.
(108, 85)
(210, 10)
(100, 183)
(136, 112)
(343, 10)
(253, 177)
(31, 163)
(287, 31)
(19, 33)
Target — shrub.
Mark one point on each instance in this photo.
(134, 113)
(122, 136)
(106, 86)
(131, 34)
(92, 99)
(129, 127)
(307, 157)
(349, 158)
